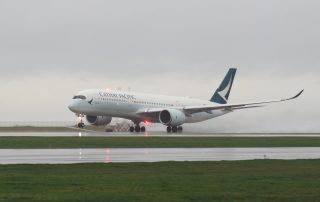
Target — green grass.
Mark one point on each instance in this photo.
(155, 142)
(258, 180)
(37, 129)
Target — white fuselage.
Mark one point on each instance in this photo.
(129, 105)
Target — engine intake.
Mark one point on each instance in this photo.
(172, 117)
(98, 120)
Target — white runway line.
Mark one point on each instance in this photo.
(71, 156)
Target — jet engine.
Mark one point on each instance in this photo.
(172, 117)
(99, 120)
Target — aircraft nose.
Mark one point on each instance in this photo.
(72, 107)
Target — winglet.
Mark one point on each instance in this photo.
(294, 97)
(298, 94)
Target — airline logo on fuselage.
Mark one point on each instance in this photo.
(117, 95)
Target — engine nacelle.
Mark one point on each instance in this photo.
(98, 120)
(172, 117)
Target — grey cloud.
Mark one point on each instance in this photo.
(103, 35)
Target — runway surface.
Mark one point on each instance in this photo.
(70, 156)
(152, 134)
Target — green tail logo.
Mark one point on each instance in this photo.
(221, 95)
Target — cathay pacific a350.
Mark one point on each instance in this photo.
(100, 106)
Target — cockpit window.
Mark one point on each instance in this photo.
(82, 97)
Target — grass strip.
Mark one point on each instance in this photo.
(257, 180)
(37, 129)
(155, 142)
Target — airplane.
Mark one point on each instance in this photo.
(99, 106)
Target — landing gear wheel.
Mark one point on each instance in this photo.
(169, 129)
(131, 129)
(174, 129)
(180, 129)
(137, 128)
(81, 125)
(143, 129)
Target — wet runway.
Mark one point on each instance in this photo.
(70, 156)
(152, 134)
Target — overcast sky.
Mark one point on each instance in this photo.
(49, 50)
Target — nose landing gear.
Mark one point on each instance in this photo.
(80, 124)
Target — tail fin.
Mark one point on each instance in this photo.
(222, 93)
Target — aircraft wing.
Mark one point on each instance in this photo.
(153, 113)
(231, 107)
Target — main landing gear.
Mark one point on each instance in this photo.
(174, 129)
(137, 128)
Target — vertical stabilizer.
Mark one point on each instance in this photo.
(222, 93)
